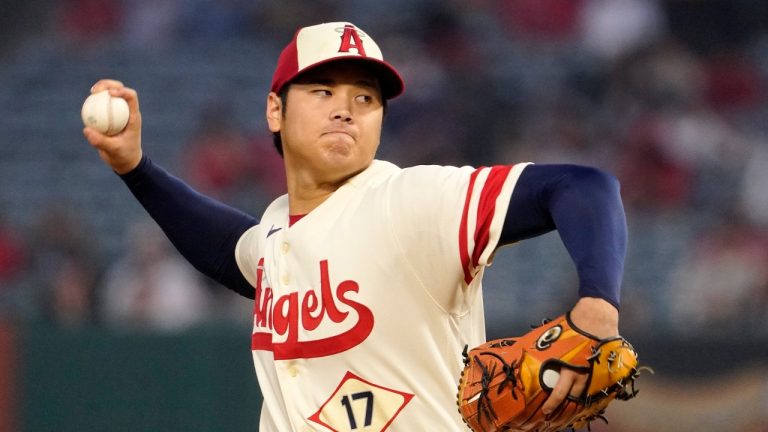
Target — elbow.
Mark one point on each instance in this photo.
(595, 181)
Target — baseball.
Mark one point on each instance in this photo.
(105, 113)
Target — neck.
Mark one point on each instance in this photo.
(308, 187)
(302, 201)
(305, 193)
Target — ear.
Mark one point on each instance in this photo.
(274, 112)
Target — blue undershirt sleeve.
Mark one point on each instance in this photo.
(584, 205)
(203, 230)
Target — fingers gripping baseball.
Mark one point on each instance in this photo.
(122, 152)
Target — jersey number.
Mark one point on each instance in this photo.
(368, 396)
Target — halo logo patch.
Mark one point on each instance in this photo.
(549, 336)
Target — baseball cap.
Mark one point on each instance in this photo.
(325, 43)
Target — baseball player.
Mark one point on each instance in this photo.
(366, 277)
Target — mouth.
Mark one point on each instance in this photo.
(338, 132)
(339, 135)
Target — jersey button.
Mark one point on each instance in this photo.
(285, 279)
(293, 371)
(286, 247)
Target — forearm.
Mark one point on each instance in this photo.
(203, 230)
(584, 205)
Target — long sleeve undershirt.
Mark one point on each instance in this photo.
(203, 230)
(582, 203)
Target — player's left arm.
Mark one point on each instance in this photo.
(584, 205)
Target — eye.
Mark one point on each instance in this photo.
(322, 92)
(365, 99)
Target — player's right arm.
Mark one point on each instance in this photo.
(204, 231)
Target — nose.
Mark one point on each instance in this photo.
(342, 114)
(342, 108)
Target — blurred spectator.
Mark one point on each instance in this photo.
(721, 285)
(711, 25)
(12, 255)
(754, 186)
(20, 20)
(452, 60)
(652, 180)
(151, 287)
(450, 40)
(13, 263)
(221, 161)
(214, 20)
(72, 300)
(216, 158)
(612, 28)
(281, 19)
(559, 132)
(267, 169)
(151, 24)
(65, 266)
(542, 20)
(733, 80)
(657, 76)
(88, 20)
(441, 145)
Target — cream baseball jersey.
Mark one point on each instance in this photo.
(363, 306)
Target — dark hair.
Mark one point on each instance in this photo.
(277, 140)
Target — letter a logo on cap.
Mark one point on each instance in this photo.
(350, 39)
(319, 44)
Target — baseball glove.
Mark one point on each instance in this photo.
(506, 381)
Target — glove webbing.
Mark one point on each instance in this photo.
(484, 407)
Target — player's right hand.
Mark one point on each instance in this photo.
(122, 152)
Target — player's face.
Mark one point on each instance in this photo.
(332, 122)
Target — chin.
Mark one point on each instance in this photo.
(343, 168)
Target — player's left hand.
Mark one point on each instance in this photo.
(597, 317)
(577, 372)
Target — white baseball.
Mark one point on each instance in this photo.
(105, 113)
(550, 377)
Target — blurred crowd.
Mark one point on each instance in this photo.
(669, 96)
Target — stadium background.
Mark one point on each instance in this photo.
(103, 328)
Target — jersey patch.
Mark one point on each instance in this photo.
(359, 405)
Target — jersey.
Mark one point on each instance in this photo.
(362, 307)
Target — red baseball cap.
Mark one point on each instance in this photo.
(324, 43)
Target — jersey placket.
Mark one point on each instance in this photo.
(290, 371)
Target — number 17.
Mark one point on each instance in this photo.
(368, 396)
